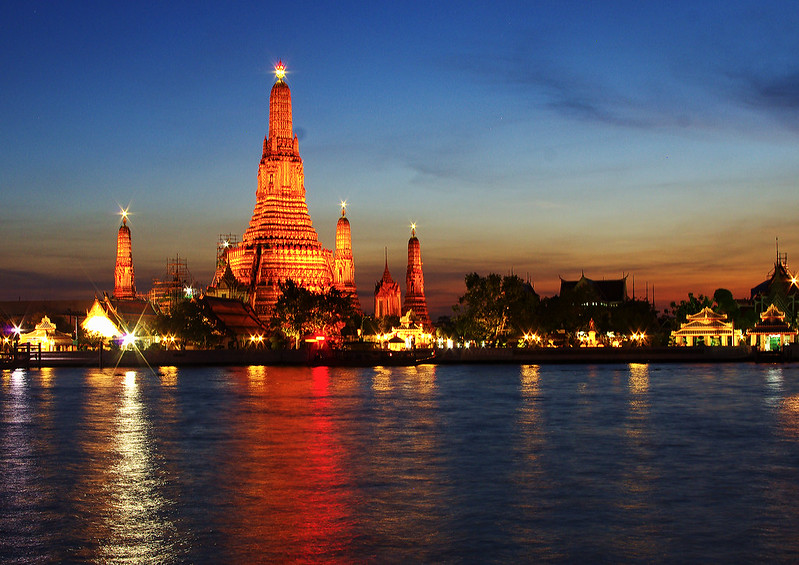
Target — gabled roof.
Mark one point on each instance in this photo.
(236, 316)
(705, 323)
(706, 315)
(772, 322)
(613, 290)
(781, 282)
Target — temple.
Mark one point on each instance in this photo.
(708, 328)
(343, 261)
(772, 332)
(781, 289)
(124, 287)
(280, 242)
(589, 292)
(387, 295)
(414, 282)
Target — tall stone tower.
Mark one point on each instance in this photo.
(280, 242)
(387, 295)
(414, 282)
(124, 286)
(343, 262)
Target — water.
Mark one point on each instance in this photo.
(623, 463)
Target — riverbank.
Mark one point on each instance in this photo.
(353, 358)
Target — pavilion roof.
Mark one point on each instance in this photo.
(705, 323)
(237, 317)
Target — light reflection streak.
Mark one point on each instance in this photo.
(381, 380)
(774, 386)
(169, 376)
(17, 480)
(289, 479)
(638, 476)
(789, 417)
(530, 475)
(124, 510)
(405, 460)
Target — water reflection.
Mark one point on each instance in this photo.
(422, 464)
(774, 386)
(122, 509)
(789, 417)
(638, 476)
(381, 379)
(18, 485)
(288, 479)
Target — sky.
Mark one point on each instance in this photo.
(656, 140)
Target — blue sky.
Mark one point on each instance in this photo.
(542, 138)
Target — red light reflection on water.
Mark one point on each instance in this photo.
(293, 500)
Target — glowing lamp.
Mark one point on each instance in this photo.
(128, 340)
(280, 70)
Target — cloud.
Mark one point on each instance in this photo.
(32, 285)
(776, 93)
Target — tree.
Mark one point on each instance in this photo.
(190, 324)
(495, 308)
(300, 312)
(693, 305)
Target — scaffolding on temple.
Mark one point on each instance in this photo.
(177, 284)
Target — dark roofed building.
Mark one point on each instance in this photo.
(780, 289)
(237, 318)
(589, 292)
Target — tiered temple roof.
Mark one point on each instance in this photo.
(280, 242)
(387, 295)
(710, 327)
(414, 282)
(343, 261)
(124, 285)
(772, 322)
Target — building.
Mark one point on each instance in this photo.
(707, 328)
(414, 283)
(772, 332)
(46, 336)
(236, 319)
(387, 296)
(780, 289)
(177, 285)
(280, 242)
(124, 285)
(343, 261)
(589, 292)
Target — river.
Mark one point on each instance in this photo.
(462, 463)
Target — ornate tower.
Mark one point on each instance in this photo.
(124, 287)
(280, 242)
(343, 262)
(387, 295)
(414, 282)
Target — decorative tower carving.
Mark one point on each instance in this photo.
(387, 295)
(414, 282)
(280, 242)
(124, 287)
(343, 262)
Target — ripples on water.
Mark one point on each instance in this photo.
(638, 463)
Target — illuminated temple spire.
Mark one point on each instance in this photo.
(124, 287)
(387, 295)
(414, 282)
(280, 242)
(343, 262)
